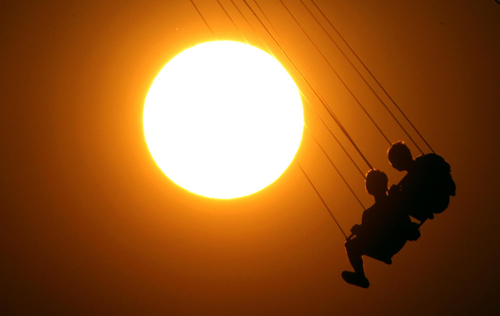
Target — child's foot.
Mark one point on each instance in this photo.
(355, 279)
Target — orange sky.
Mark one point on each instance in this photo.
(90, 225)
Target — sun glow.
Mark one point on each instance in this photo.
(223, 119)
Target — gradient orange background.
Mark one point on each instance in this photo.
(90, 225)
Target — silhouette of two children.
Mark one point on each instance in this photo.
(386, 225)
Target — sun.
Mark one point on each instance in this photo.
(223, 119)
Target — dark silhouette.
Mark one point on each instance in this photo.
(427, 186)
(384, 230)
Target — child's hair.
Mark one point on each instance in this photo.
(376, 180)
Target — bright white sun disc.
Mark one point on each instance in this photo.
(223, 119)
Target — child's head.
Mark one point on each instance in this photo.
(376, 182)
(400, 156)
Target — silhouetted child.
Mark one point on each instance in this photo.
(427, 186)
(382, 233)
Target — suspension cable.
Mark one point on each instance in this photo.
(373, 76)
(300, 91)
(333, 135)
(308, 83)
(323, 150)
(204, 20)
(336, 73)
(335, 167)
(307, 101)
(324, 203)
(236, 26)
(254, 30)
(362, 77)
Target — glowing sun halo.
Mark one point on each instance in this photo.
(223, 119)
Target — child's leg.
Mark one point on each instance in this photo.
(354, 251)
